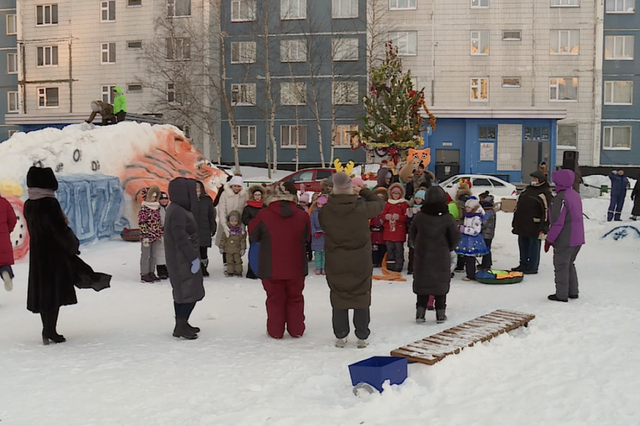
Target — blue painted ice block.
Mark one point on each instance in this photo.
(377, 369)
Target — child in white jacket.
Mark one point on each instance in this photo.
(472, 244)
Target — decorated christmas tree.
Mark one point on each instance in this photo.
(393, 120)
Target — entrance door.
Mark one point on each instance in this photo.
(534, 153)
(447, 163)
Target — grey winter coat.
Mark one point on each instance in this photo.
(181, 241)
(206, 218)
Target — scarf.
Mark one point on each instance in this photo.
(235, 230)
(153, 205)
(254, 203)
(40, 193)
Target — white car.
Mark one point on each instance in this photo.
(479, 183)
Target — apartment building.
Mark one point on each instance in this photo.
(512, 83)
(8, 67)
(620, 140)
(312, 55)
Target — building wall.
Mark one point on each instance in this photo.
(8, 82)
(622, 70)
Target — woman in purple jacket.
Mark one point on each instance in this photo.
(566, 235)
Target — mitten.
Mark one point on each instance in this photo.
(318, 234)
(546, 246)
(195, 265)
(387, 216)
(395, 216)
(461, 228)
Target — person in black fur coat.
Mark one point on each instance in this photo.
(54, 265)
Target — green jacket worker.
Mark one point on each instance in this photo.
(119, 104)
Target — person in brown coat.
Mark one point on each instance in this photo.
(105, 110)
(348, 264)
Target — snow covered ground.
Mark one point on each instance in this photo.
(576, 364)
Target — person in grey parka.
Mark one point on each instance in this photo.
(182, 252)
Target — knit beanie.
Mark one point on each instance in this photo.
(357, 181)
(472, 202)
(236, 180)
(420, 194)
(322, 200)
(304, 198)
(342, 184)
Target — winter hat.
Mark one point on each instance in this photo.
(304, 198)
(233, 215)
(322, 200)
(342, 184)
(41, 177)
(472, 202)
(486, 201)
(395, 189)
(420, 194)
(281, 191)
(382, 190)
(541, 177)
(164, 196)
(357, 181)
(236, 180)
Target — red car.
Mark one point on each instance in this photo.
(310, 178)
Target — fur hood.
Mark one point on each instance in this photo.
(253, 188)
(229, 192)
(279, 193)
(399, 200)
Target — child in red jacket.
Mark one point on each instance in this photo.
(395, 215)
(378, 246)
(8, 221)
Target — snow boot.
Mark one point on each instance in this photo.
(341, 343)
(440, 316)
(182, 330)
(362, 343)
(556, 298)
(192, 328)
(147, 278)
(204, 264)
(420, 311)
(8, 282)
(49, 322)
(163, 272)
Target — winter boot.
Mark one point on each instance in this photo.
(430, 303)
(362, 343)
(192, 328)
(49, 322)
(154, 276)
(163, 272)
(420, 311)
(341, 343)
(204, 264)
(8, 282)
(182, 330)
(440, 316)
(556, 298)
(147, 278)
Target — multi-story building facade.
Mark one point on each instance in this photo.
(8, 67)
(512, 83)
(302, 87)
(620, 140)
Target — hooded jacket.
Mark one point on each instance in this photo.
(149, 216)
(8, 221)
(229, 201)
(253, 207)
(120, 101)
(395, 227)
(347, 247)
(103, 108)
(567, 223)
(181, 241)
(532, 211)
(283, 231)
(489, 218)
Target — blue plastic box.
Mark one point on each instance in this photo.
(377, 369)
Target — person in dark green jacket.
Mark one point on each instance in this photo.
(119, 104)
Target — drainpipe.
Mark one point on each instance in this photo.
(434, 44)
(597, 81)
(70, 78)
(533, 54)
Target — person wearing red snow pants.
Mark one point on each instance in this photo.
(282, 230)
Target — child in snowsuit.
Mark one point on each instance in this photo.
(395, 215)
(317, 235)
(234, 245)
(8, 221)
(471, 244)
(418, 199)
(488, 227)
(378, 246)
(151, 230)
(163, 272)
(462, 195)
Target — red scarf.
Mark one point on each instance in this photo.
(253, 203)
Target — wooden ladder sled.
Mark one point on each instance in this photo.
(451, 341)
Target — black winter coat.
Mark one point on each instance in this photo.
(434, 235)
(249, 213)
(206, 219)
(54, 267)
(181, 241)
(532, 211)
(635, 196)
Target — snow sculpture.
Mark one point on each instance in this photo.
(621, 232)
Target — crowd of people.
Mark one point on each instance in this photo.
(347, 230)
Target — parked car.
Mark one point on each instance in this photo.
(311, 178)
(480, 183)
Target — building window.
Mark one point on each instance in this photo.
(107, 94)
(243, 52)
(47, 14)
(12, 63)
(618, 47)
(134, 44)
(243, 10)
(345, 49)
(134, 3)
(487, 133)
(617, 137)
(243, 94)
(345, 93)
(406, 42)
(48, 97)
(344, 8)
(174, 96)
(568, 136)
(108, 11)
(293, 93)
(536, 133)
(293, 51)
(479, 42)
(293, 9)
(47, 56)
(479, 3)
(480, 89)
(565, 3)
(293, 136)
(621, 6)
(402, 4)
(179, 49)
(563, 89)
(12, 102)
(510, 82)
(564, 42)
(178, 8)
(342, 135)
(12, 26)
(618, 92)
(186, 129)
(246, 136)
(512, 35)
(134, 88)
(108, 53)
